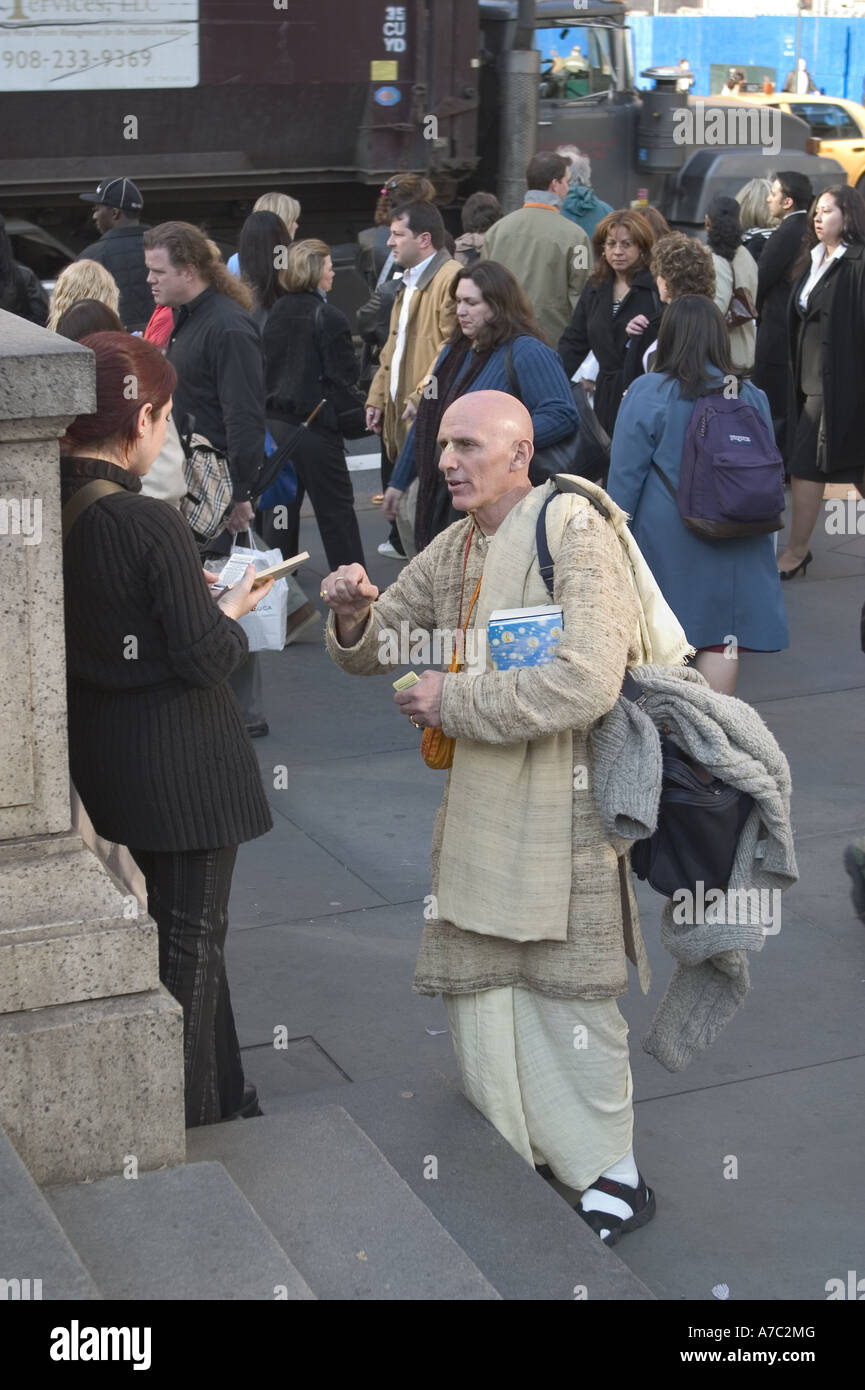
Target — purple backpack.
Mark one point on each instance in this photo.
(731, 481)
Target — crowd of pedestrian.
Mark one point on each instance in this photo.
(487, 364)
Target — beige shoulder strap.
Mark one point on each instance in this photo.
(81, 500)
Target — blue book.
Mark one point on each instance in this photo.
(524, 636)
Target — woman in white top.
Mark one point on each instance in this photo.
(735, 268)
(826, 316)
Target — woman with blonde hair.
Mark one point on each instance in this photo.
(81, 280)
(757, 222)
(285, 207)
(308, 356)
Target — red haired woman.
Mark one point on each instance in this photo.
(620, 288)
(157, 746)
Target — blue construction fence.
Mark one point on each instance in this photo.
(833, 48)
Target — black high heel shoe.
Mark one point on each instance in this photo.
(802, 565)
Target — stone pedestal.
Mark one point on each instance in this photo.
(91, 1060)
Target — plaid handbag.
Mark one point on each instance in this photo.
(208, 486)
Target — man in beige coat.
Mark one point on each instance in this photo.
(548, 254)
(421, 322)
(534, 917)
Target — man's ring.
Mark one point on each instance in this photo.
(412, 720)
(323, 594)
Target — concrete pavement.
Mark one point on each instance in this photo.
(327, 915)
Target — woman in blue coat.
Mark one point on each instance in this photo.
(496, 345)
(725, 593)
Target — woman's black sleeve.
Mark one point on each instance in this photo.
(338, 355)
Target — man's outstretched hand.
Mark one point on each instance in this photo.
(350, 594)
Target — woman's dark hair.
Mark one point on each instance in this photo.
(130, 373)
(480, 211)
(693, 337)
(724, 233)
(262, 250)
(852, 206)
(641, 234)
(86, 317)
(513, 315)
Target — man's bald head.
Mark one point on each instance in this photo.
(492, 413)
(486, 442)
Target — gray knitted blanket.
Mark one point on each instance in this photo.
(707, 939)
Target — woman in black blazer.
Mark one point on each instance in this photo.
(826, 317)
(157, 747)
(620, 289)
(309, 356)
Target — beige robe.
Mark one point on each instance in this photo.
(600, 618)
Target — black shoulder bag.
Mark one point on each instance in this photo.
(700, 818)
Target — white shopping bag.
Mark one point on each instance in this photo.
(265, 625)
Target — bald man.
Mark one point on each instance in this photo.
(533, 914)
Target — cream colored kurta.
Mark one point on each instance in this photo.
(600, 618)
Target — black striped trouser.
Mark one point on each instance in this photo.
(187, 897)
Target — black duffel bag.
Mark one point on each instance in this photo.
(700, 819)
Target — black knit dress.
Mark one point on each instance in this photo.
(157, 746)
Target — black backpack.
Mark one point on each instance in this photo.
(700, 818)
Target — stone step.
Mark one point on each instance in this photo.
(515, 1227)
(351, 1224)
(177, 1233)
(67, 933)
(36, 1258)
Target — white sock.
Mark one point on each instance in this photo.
(624, 1171)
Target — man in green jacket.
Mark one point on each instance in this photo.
(549, 255)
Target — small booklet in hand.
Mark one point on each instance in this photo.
(524, 636)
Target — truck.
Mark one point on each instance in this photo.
(207, 103)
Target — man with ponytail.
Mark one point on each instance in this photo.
(215, 349)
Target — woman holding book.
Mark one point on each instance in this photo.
(495, 325)
(157, 747)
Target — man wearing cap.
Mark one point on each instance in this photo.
(118, 204)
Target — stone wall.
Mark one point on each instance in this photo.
(91, 1064)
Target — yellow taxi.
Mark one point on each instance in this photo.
(837, 123)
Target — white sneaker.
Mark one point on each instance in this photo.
(387, 549)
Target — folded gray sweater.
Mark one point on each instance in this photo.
(728, 737)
